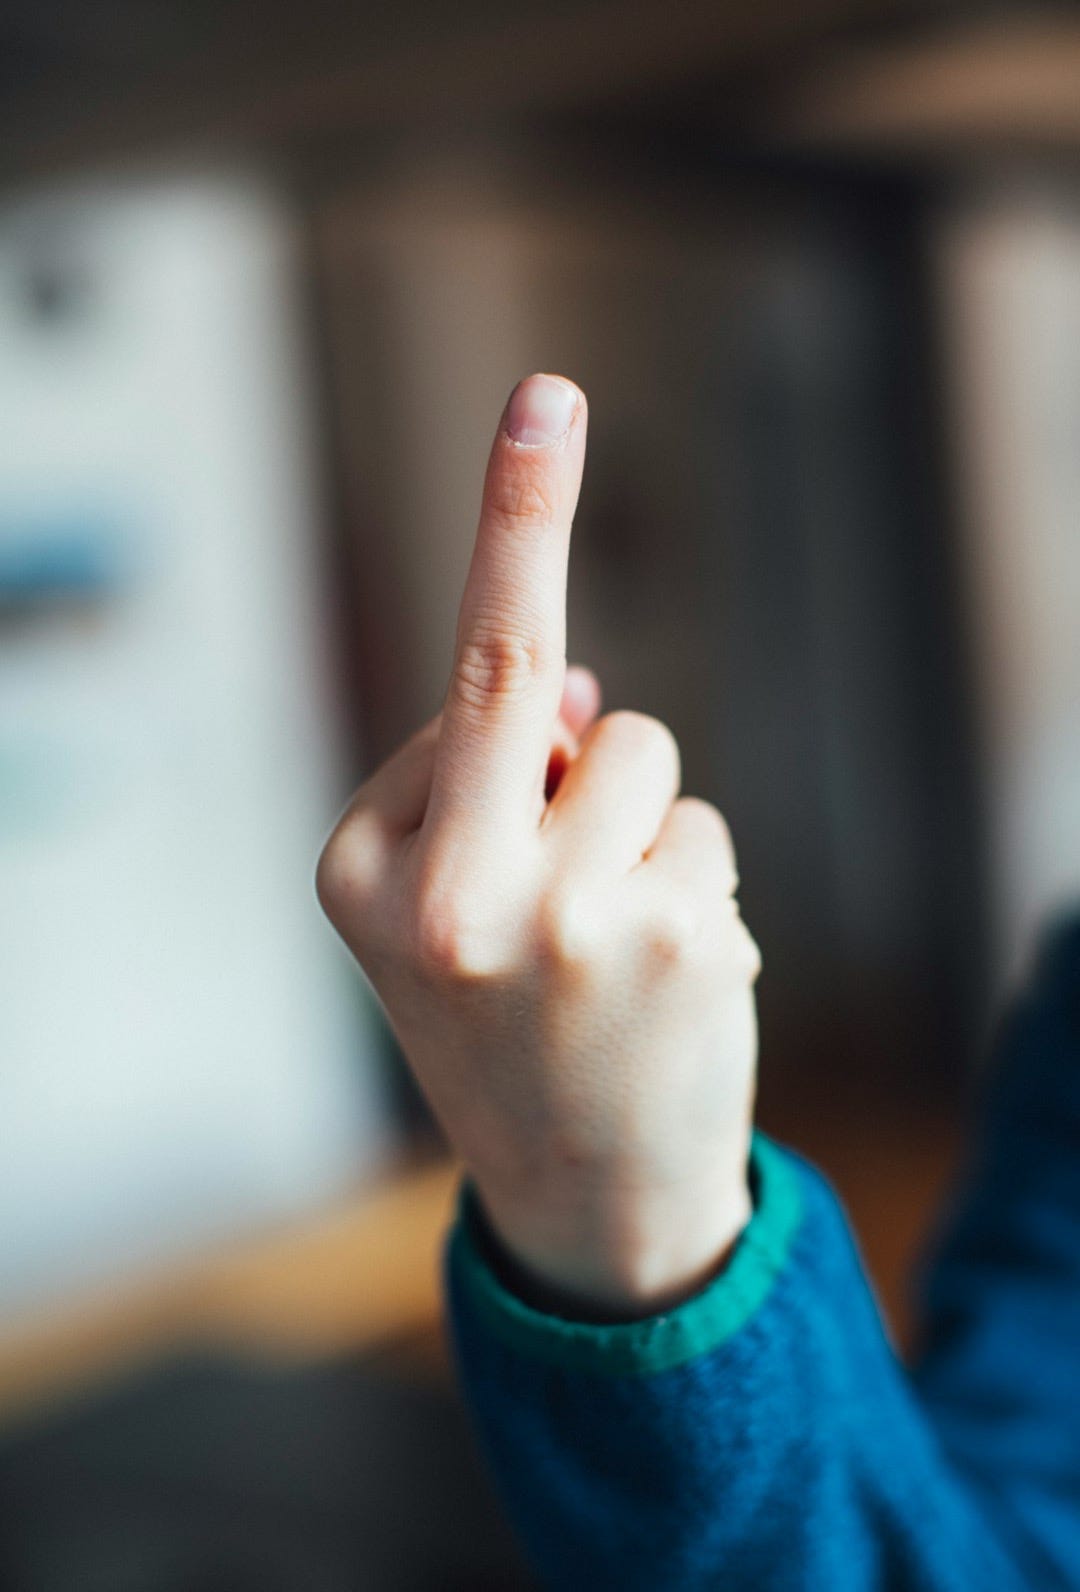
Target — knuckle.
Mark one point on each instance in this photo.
(709, 823)
(344, 873)
(642, 736)
(332, 880)
(748, 954)
(567, 929)
(347, 872)
(497, 665)
(450, 937)
(704, 814)
(520, 497)
(671, 931)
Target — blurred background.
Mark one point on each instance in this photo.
(266, 280)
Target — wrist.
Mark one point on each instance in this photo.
(614, 1253)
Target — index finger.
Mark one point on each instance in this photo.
(510, 655)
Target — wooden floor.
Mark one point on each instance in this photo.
(360, 1277)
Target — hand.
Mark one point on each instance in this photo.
(569, 977)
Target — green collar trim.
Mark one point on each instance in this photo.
(656, 1343)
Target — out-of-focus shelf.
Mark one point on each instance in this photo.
(863, 78)
(361, 1278)
(192, 79)
(970, 85)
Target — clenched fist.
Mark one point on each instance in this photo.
(552, 931)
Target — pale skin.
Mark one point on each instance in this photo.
(553, 930)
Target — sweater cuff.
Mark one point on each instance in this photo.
(659, 1342)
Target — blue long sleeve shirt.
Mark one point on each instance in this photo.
(764, 1434)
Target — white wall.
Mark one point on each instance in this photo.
(183, 1049)
(1009, 270)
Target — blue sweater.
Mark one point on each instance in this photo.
(763, 1435)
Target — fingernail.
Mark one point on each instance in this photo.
(540, 411)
